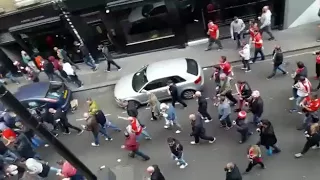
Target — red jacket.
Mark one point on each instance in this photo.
(131, 143)
(55, 62)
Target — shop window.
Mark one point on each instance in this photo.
(146, 23)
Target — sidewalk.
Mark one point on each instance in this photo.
(293, 39)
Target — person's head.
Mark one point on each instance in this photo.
(251, 22)
(55, 49)
(171, 141)
(265, 9)
(169, 83)
(28, 69)
(126, 134)
(223, 59)
(150, 169)
(210, 22)
(164, 107)
(243, 43)
(130, 118)
(86, 115)
(192, 117)
(23, 53)
(277, 48)
(236, 19)
(265, 123)
(255, 94)
(229, 167)
(222, 99)
(60, 162)
(240, 82)
(242, 115)
(16, 63)
(302, 78)
(197, 94)
(100, 47)
(300, 64)
(223, 76)
(89, 101)
(76, 43)
(51, 110)
(256, 32)
(315, 96)
(51, 58)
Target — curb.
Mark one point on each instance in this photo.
(111, 83)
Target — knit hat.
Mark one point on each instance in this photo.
(255, 94)
(242, 114)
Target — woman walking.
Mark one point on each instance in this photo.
(313, 138)
(254, 156)
(154, 105)
(268, 138)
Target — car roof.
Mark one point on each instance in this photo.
(166, 68)
(32, 91)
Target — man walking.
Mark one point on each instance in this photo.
(203, 106)
(49, 70)
(213, 32)
(258, 46)
(245, 55)
(265, 20)
(131, 144)
(63, 56)
(107, 55)
(173, 91)
(198, 131)
(225, 88)
(224, 111)
(169, 113)
(256, 106)
(67, 68)
(86, 56)
(277, 62)
(236, 29)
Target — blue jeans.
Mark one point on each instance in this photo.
(298, 101)
(10, 77)
(256, 119)
(88, 61)
(9, 156)
(143, 133)
(180, 160)
(294, 93)
(103, 132)
(111, 126)
(55, 170)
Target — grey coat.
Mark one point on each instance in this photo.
(154, 103)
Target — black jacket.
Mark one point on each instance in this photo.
(132, 110)
(101, 118)
(23, 147)
(277, 58)
(234, 174)
(202, 104)
(256, 106)
(242, 126)
(267, 136)
(48, 67)
(173, 90)
(197, 126)
(157, 175)
(84, 51)
(60, 114)
(245, 91)
(176, 148)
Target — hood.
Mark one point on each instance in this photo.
(51, 58)
(123, 89)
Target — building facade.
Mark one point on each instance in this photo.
(130, 26)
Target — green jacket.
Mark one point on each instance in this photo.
(93, 108)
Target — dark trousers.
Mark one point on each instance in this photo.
(67, 125)
(76, 80)
(246, 64)
(267, 29)
(274, 71)
(256, 52)
(244, 134)
(318, 70)
(153, 116)
(139, 153)
(205, 114)
(67, 59)
(252, 164)
(310, 142)
(51, 76)
(217, 41)
(202, 136)
(226, 122)
(237, 37)
(230, 97)
(113, 63)
(177, 99)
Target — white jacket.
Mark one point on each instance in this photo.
(245, 52)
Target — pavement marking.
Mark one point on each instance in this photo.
(205, 69)
(82, 119)
(147, 108)
(289, 56)
(124, 112)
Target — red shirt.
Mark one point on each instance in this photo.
(251, 31)
(136, 127)
(213, 29)
(226, 67)
(312, 104)
(258, 43)
(318, 59)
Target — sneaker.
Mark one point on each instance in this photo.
(207, 121)
(293, 110)
(248, 71)
(208, 49)
(214, 140)
(250, 62)
(178, 163)
(183, 166)
(178, 131)
(291, 98)
(148, 138)
(298, 155)
(95, 69)
(108, 139)
(67, 133)
(315, 147)
(46, 145)
(166, 127)
(106, 70)
(94, 144)
(56, 135)
(153, 119)
(120, 69)
(176, 159)
(79, 133)
(193, 142)
(244, 68)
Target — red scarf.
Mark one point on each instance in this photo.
(299, 70)
(318, 59)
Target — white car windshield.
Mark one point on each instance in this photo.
(139, 79)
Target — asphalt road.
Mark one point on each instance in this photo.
(206, 161)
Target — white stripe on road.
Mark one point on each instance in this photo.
(147, 108)
(82, 119)
(124, 112)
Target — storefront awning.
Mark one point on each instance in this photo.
(34, 24)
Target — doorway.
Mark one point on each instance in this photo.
(102, 35)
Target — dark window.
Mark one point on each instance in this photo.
(33, 104)
(55, 91)
(158, 10)
(157, 84)
(192, 67)
(146, 10)
(177, 79)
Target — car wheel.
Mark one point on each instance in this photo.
(136, 103)
(188, 94)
